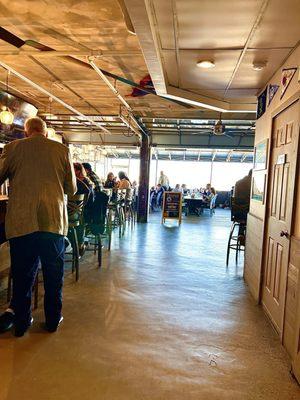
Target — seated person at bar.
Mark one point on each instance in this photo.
(241, 195)
(93, 177)
(124, 182)
(110, 182)
(84, 186)
(40, 173)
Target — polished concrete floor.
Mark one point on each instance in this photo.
(163, 320)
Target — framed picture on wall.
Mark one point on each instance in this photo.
(258, 187)
(260, 155)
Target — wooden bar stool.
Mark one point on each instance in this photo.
(75, 215)
(237, 235)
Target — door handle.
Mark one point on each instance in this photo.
(284, 233)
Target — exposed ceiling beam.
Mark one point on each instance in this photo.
(108, 83)
(51, 95)
(229, 156)
(74, 53)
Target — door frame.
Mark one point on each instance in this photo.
(293, 99)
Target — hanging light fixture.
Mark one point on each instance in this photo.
(50, 131)
(6, 116)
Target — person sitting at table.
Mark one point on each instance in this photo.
(207, 190)
(177, 188)
(124, 182)
(184, 189)
(110, 182)
(156, 196)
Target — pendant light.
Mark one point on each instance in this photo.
(50, 131)
(6, 116)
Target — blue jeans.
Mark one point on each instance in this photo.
(26, 252)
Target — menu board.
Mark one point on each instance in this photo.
(172, 206)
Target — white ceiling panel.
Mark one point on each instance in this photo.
(215, 24)
(193, 77)
(280, 26)
(170, 65)
(246, 77)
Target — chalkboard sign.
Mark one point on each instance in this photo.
(172, 206)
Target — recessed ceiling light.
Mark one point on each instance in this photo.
(258, 66)
(205, 64)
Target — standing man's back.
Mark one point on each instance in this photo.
(40, 173)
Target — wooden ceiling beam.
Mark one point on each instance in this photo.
(71, 52)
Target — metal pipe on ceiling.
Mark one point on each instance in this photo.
(108, 83)
(46, 92)
(118, 95)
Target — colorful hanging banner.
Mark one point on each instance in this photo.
(261, 103)
(271, 92)
(286, 77)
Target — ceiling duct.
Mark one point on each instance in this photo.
(126, 16)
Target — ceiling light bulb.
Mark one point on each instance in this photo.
(6, 117)
(205, 64)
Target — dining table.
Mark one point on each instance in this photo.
(193, 204)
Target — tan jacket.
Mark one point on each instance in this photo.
(40, 172)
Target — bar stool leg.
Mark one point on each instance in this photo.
(229, 243)
(99, 250)
(76, 256)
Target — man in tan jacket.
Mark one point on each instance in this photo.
(40, 173)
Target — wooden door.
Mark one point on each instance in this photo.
(283, 162)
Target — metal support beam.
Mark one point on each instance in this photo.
(108, 83)
(244, 156)
(74, 53)
(143, 198)
(229, 156)
(57, 99)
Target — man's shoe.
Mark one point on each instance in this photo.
(22, 329)
(53, 328)
(7, 320)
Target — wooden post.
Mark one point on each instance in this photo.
(143, 198)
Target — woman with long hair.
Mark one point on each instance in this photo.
(110, 182)
(124, 182)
